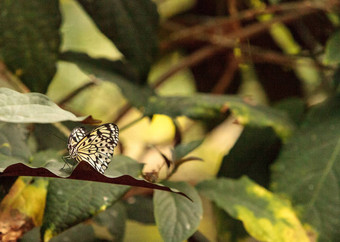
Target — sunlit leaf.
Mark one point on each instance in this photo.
(115, 72)
(264, 215)
(22, 208)
(16, 107)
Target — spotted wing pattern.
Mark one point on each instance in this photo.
(95, 147)
(76, 135)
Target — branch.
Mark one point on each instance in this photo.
(93, 81)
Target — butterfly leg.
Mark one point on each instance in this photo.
(65, 159)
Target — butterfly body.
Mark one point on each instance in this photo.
(95, 147)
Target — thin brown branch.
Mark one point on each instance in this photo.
(221, 23)
(12, 80)
(189, 61)
(226, 41)
(122, 112)
(260, 27)
(231, 40)
(93, 81)
(224, 82)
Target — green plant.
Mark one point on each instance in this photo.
(280, 179)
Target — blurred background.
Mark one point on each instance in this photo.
(274, 53)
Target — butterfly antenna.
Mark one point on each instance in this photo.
(59, 138)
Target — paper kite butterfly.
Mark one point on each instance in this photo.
(95, 147)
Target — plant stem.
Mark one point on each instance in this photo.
(132, 123)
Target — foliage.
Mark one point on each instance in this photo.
(267, 72)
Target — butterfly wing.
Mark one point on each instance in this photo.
(76, 135)
(97, 147)
(107, 131)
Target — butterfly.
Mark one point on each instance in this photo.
(95, 147)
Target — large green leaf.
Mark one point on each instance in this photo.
(29, 40)
(294, 107)
(108, 225)
(115, 72)
(16, 107)
(308, 170)
(49, 163)
(264, 215)
(204, 106)
(177, 218)
(131, 25)
(70, 202)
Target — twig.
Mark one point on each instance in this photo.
(230, 40)
(257, 28)
(124, 110)
(221, 23)
(227, 76)
(132, 123)
(93, 81)
(12, 80)
(191, 60)
(62, 128)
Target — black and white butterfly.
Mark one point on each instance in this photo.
(95, 147)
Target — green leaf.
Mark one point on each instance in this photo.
(48, 136)
(227, 227)
(134, 211)
(131, 25)
(182, 150)
(112, 220)
(122, 170)
(32, 235)
(70, 202)
(294, 107)
(204, 106)
(177, 218)
(29, 40)
(252, 154)
(308, 169)
(108, 225)
(330, 109)
(13, 147)
(16, 107)
(264, 215)
(115, 72)
(333, 49)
